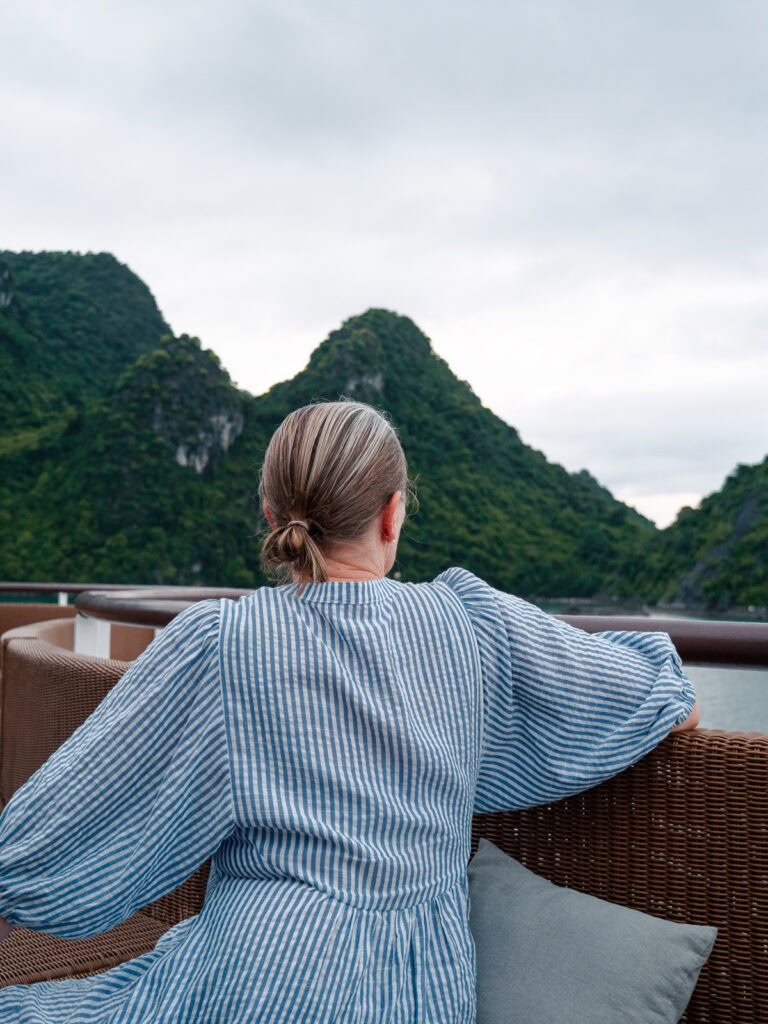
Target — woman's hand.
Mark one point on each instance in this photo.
(5, 928)
(691, 721)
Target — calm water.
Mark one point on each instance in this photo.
(731, 698)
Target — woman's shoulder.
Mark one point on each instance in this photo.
(455, 582)
(199, 619)
(458, 578)
(481, 601)
(467, 585)
(491, 610)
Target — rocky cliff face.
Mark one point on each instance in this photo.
(487, 501)
(192, 405)
(6, 292)
(691, 589)
(212, 437)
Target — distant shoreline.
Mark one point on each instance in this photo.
(624, 606)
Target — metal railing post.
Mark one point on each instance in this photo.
(93, 636)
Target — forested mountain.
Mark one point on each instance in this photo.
(486, 500)
(69, 324)
(156, 480)
(152, 477)
(714, 556)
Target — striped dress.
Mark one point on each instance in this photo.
(327, 750)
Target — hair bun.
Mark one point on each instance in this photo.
(290, 546)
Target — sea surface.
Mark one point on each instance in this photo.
(731, 698)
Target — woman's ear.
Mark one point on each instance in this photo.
(389, 527)
(268, 514)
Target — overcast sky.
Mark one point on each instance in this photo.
(568, 198)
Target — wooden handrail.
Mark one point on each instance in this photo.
(153, 607)
(707, 641)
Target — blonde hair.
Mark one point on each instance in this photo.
(329, 469)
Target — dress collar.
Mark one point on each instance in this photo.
(342, 591)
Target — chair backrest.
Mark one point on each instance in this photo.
(46, 692)
(682, 834)
(15, 614)
(49, 622)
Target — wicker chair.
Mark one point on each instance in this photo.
(682, 834)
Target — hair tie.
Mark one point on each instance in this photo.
(297, 522)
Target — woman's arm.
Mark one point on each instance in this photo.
(133, 802)
(564, 709)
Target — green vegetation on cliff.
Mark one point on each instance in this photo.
(126, 489)
(486, 500)
(69, 324)
(156, 480)
(714, 556)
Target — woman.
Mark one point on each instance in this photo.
(326, 741)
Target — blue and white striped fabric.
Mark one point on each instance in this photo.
(328, 751)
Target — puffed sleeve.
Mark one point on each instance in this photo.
(563, 709)
(133, 802)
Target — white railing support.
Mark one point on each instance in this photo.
(93, 636)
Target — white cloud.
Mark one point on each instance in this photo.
(567, 198)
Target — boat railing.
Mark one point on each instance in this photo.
(63, 590)
(99, 606)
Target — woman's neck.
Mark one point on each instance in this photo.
(351, 569)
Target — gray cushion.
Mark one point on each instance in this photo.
(551, 955)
